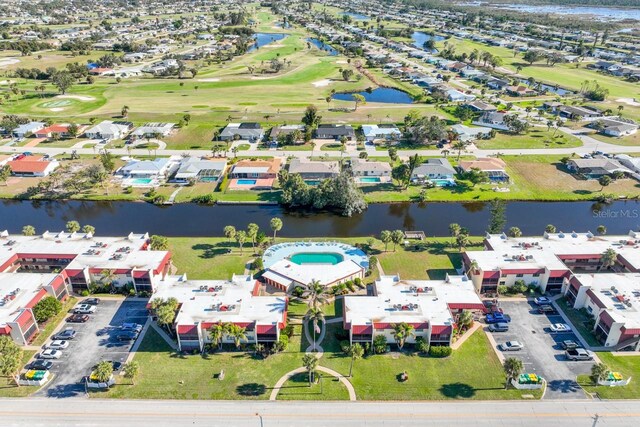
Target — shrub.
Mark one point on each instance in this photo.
(281, 344)
(440, 351)
(503, 289)
(298, 291)
(379, 344)
(358, 282)
(373, 262)
(257, 264)
(205, 199)
(288, 331)
(85, 293)
(46, 308)
(344, 346)
(349, 284)
(132, 292)
(422, 345)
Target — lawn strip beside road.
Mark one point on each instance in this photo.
(628, 366)
(8, 387)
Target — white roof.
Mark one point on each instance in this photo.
(285, 272)
(610, 289)
(22, 287)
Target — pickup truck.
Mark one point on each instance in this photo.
(578, 354)
(497, 317)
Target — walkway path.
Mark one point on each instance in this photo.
(288, 375)
(136, 345)
(164, 336)
(315, 345)
(172, 198)
(462, 339)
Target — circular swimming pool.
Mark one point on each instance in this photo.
(302, 258)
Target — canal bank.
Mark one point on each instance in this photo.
(120, 218)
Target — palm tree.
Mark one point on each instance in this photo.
(310, 362)
(550, 228)
(402, 332)
(465, 320)
(385, 236)
(217, 333)
(454, 229)
(241, 237)
(276, 225)
(512, 368)
(107, 277)
(229, 232)
(473, 267)
(396, 238)
(355, 351)
(599, 372)
(130, 370)
(315, 315)
(608, 259)
(316, 295)
(237, 333)
(602, 230)
(459, 145)
(28, 230)
(252, 233)
(515, 232)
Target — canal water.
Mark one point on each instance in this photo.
(264, 39)
(382, 94)
(119, 218)
(323, 46)
(419, 38)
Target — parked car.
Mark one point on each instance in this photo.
(131, 327)
(499, 327)
(78, 318)
(542, 301)
(40, 365)
(497, 317)
(126, 335)
(67, 334)
(85, 309)
(569, 344)
(578, 354)
(511, 346)
(548, 309)
(560, 327)
(50, 354)
(58, 344)
(91, 301)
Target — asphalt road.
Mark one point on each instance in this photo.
(542, 353)
(97, 412)
(93, 343)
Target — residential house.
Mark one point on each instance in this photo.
(361, 168)
(493, 166)
(200, 169)
(388, 132)
(254, 174)
(32, 166)
(596, 167)
(492, 120)
(147, 173)
(614, 127)
(312, 170)
(481, 106)
(467, 133)
(28, 129)
(457, 96)
(336, 132)
(434, 169)
(61, 130)
(520, 90)
(151, 130)
(109, 130)
(245, 131)
(577, 113)
(498, 84)
(285, 130)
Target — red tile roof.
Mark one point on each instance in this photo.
(27, 165)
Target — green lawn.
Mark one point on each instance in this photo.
(8, 387)
(628, 366)
(578, 320)
(534, 138)
(206, 257)
(297, 388)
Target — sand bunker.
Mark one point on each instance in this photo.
(56, 109)
(8, 61)
(213, 79)
(78, 97)
(629, 101)
(322, 83)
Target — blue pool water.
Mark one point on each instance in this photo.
(369, 179)
(264, 39)
(312, 182)
(246, 182)
(553, 89)
(442, 182)
(141, 181)
(419, 38)
(323, 46)
(316, 258)
(382, 94)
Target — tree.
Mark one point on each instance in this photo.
(397, 236)
(241, 238)
(252, 233)
(358, 99)
(476, 176)
(604, 181)
(402, 174)
(276, 225)
(10, 358)
(131, 370)
(465, 320)
(315, 316)
(462, 241)
(347, 74)
(237, 334)
(165, 314)
(515, 232)
(63, 80)
(355, 352)
(497, 218)
(459, 145)
(46, 308)
(454, 229)
(124, 112)
(28, 230)
(310, 362)
(316, 295)
(608, 259)
(311, 117)
(602, 230)
(5, 173)
(402, 332)
(532, 56)
(89, 229)
(385, 237)
(599, 372)
(550, 228)
(512, 368)
(107, 160)
(229, 232)
(72, 226)
(159, 243)
(103, 371)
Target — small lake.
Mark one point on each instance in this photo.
(419, 38)
(263, 39)
(385, 95)
(323, 46)
(356, 16)
(188, 219)
(552, 89)
(600, 13)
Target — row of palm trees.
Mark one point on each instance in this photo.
(230, 330)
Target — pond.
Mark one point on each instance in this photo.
(263, 39)
(121, 218)
(323, 46)
(382, 94)
(419, 38)
(356, 16)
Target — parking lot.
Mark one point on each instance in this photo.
(95, 341)
(542, 353)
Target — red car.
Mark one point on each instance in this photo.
(78, 318)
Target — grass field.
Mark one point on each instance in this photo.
(628, 366)
(534, 138)
(8, 387)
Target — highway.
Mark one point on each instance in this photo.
(98, 412)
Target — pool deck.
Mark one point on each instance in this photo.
(261, 184)
(286, 250)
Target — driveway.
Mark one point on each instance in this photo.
(93, 343)
(542, 353)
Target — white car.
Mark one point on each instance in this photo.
(50, 354)
(560, 327)
(85, 309)
(511, 346)
(58, 344)
(542, 301)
